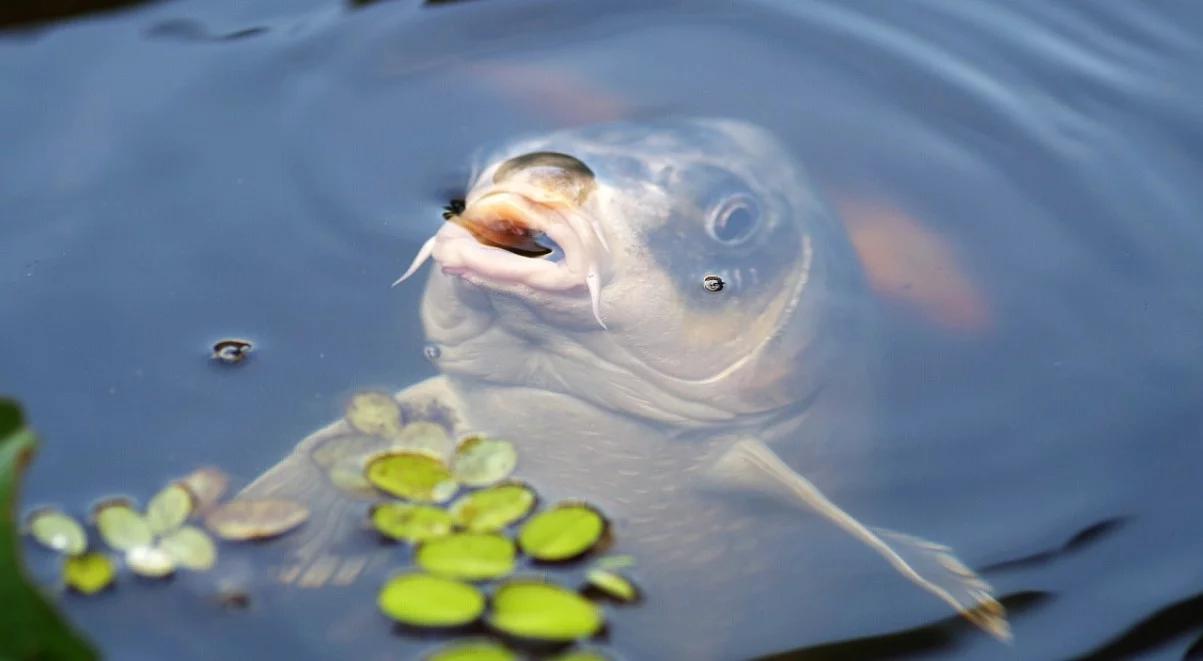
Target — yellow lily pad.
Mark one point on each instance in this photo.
(562, 533)
(544, 611)
(494, 508)
(412, 476)
(472, 650)
(88, 573)
(245, 519)
(469, 556)
(191, 548)
(375, 414)
(430, 601)
(168, 509)
(411, 523)
(120, 526)
(613, 585)
(58, 531)
(480, 462)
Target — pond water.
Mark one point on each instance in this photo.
(183, 172)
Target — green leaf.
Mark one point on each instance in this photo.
(472, 650)
(120, 526)
(89, 573)
(492, 509)
(191, 548)
(480, 462)
(375, 414)
(150, 561)
(168, 509)
(468, 556)
(29, 628)
(246, 519)
(562, 533)
(57, 531)
(543, 611)
(613, 585)
(411, 523)
(430, 601)
(412, 476)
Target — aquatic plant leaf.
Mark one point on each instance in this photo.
(613, 585)
(469, 556)
(375, 414)
(494, 508)
(245, 519)
(472, 650)
(150, 561)
(411, 523)
(57, 531)
(612, 562)
(88, 573)
(562, 533)
(169, 509)
(412, 476)
(120, 526)
(207, 486)
(430, 601)
(537, 609)
(191, 548)
(480, 462)
(428, 437)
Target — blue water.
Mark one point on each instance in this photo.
(183, 172)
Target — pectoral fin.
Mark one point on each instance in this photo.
(751, 465)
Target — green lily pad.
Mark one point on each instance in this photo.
(472, 650)
(375, 414)
(120, 526)
(613, 585)
(480, 462)
(58, 531)
(89, 573)
(191, 548)
(411, 523)
(469, 556)
(150, 561)
(494, 508)
(562, 533)
(430, 601)
(168, 509)
(543, 611)
(245, 519)
(412, 476)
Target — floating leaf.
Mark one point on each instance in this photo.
(150, 561)
(468, 556)
(168, 509)
(430, 601)
(89, 573)
(374, 413)
(120, 526)
(562, 533)
(58, 531)
(412, 476)
(244, 519)
(494, 508)
(427, 437)
(536, 609)
(480, 461)
(191, 548)
(411, 523)
(613, 585)
(207, 486)
(615, 562)
(472, 650)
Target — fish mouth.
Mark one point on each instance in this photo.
(506, 239)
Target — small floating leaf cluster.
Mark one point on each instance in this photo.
(480, 537)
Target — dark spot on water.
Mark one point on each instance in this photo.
(186, 29)
(234, 600)
(231, 351)
(713, 283)
(1160, 628)
(1078, 541)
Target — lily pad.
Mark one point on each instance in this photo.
(543, 611)
(468, 556)
(89, 573)
(168, 509)
(121, 527)
(245, 519)
(191, 548)
(494, 508)
(562, 533)
(375, 414)
(472, 650)
(58, 531)
(430, 601)
(412, 476)
(150, 561)
(411, 523)
(207, 486)
(480, 462)
(613, 585)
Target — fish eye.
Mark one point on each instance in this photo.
(734, 220)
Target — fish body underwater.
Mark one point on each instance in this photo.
(669, 323)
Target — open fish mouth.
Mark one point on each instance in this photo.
(507, 237)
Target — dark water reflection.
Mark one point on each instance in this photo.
(192, 171)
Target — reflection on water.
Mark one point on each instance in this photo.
(168, 183)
